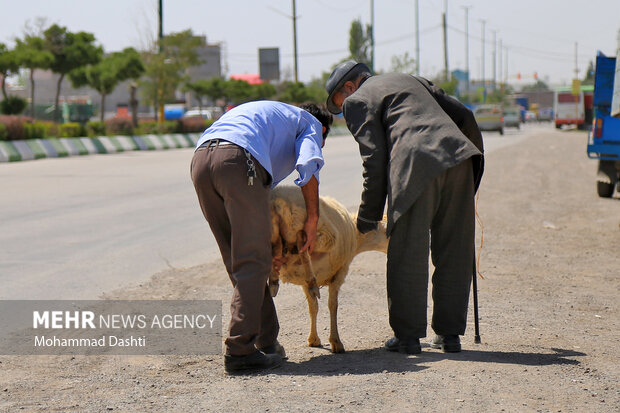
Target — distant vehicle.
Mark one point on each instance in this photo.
(204, 113)
(545, 114)
(530, 116)
(573, 110)
(604, 138)
(490, 118)
(512, 117)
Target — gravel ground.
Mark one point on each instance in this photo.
(549, 311)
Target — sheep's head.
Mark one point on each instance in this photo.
(375, 240)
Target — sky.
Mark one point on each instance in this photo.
(537, 36)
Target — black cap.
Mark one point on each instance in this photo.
(344, 72)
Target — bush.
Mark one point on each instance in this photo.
(13, 105)
(3, 132)
(35, 130)
(70, 130)
(14, 126)
(156, 128)
(193, 124)
(94, 129)
(119, 126)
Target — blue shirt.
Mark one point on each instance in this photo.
(282, 137)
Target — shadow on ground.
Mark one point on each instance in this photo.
(380, 361)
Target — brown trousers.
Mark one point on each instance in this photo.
(446, 210)
(239, 217)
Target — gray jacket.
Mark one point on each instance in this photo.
(409, 131)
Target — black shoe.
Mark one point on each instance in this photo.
(252, 362)
(411, 346)
(275, 348)
(448, 343)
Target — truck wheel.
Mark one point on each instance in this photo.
(558, 126)
(604, 189)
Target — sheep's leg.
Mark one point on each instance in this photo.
(334, 289)
(313, 309)
(307, 263)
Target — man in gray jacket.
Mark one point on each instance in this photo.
(422, 150)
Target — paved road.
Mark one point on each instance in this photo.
(73, 228)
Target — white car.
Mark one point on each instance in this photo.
(197, 112)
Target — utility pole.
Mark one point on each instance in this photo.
(159, 99)
(484, 83)
(417, 39)
(499, 71)
(466, 8)
(295, 41)
(506, 68)
(445, 40)
(372, 36)
(494, 60)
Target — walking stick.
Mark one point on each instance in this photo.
(476, 323)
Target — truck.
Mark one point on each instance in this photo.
(570, 109)
(604, 137)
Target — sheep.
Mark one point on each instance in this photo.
(338, 242)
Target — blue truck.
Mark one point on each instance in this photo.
(604, 137)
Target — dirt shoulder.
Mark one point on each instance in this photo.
(549, 311)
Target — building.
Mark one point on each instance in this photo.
(46, 83)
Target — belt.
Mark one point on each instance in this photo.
(215, 143)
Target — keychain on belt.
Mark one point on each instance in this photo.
(251, 168)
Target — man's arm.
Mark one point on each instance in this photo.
(310, 191)
(364, 122)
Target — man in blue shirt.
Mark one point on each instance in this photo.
(238, 159)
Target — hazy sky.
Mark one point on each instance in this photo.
(539, 35)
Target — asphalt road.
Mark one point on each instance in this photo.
(73, 228)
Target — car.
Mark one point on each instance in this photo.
(512, 117)
(207, 114)
(490, 118)
(530, 116)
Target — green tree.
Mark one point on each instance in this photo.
(31, 54)
(108, 73)
(70, 51)
(8, 65)
(238, 91)
(263, 91)
(403, 64)
(165, 69)
(538, 86)
(360, 40)
(589, 77)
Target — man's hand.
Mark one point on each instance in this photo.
(310, 230)
(365, 226)
(277, 263)
(310, 192)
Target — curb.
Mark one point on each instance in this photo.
(31, 149)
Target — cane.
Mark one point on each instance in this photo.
(476, 323)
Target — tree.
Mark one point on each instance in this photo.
(263, 91)
(8, 65)
(70, 51)
(538, 86)
(165, 69)
(403, 64)
(108, 73)
(238, 91)
(294, 92)
(589, 77)
(31, 54)
(360, 42)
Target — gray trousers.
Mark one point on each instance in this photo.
(239, 217)
(445, 210)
